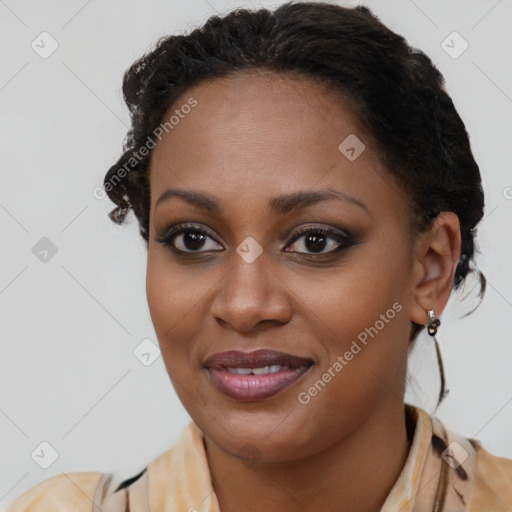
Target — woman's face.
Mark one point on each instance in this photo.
(249, 280)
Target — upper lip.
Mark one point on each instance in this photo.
(255, 359)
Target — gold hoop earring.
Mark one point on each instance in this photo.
(432, 326)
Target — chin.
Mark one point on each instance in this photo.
(269, 441)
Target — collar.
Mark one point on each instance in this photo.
(403, 494)
(179, 479)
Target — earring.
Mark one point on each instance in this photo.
(433, 322)
(432, 325)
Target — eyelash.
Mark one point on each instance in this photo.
(345, 240)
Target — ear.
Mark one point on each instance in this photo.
(436, 255)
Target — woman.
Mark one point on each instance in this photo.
(309, 200)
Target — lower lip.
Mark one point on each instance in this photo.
(251, 388)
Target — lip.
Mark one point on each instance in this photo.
(255, 359)
(253, 387)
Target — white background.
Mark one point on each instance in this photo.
(68, 375)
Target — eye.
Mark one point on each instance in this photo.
(316, 239)
(188, 238)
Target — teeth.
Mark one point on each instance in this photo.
(258, 371)
(261, 371)
(240, 371)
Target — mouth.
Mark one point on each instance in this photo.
(254, 376)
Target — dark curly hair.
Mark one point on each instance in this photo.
(396, 91)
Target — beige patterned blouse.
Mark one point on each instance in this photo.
(443, 472)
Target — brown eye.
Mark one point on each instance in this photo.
(317, 239)
(188, 238)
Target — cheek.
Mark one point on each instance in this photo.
(170, 290)
(354, 297)
(360, 316)
(174, 320)
(173, 303)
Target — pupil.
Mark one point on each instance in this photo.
(193, 240)
(318, 243)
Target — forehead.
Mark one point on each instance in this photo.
(257, 135)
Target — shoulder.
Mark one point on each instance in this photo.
(492, 484)
(84, 491)
(59, 493)
(469, 477)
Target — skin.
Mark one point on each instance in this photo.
(253, 136)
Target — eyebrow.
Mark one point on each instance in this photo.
(280, 205)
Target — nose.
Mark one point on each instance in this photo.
(251, 294)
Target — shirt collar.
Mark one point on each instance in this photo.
(403, 494)
(179, 479)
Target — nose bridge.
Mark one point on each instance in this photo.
(248, 278)
(250, 292)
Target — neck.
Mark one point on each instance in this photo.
(354, 474)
